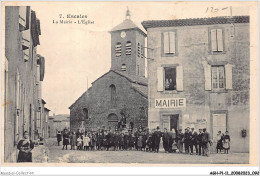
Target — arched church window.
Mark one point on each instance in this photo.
(118, 49)
(128, 48)
(85, 112)
(113, 95)
(123, 68)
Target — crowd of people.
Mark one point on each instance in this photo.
(142, 139)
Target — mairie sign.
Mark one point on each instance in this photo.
(170, 103)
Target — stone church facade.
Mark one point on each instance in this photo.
(122, 91)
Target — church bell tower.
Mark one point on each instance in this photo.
(127, 48)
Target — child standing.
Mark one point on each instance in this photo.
(226, 142)
(73, 140)
(86, 141)
(79, 143)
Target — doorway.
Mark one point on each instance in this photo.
(170, 121)
(174, 119)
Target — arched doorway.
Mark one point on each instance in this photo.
(112, 120)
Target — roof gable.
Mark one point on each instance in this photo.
(132, 78)
(127, 24)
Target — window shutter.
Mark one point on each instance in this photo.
(179, 78)
(22, 16)
(38, 74)
(160, 74)
(213, 40)
(207, 74)
(166, 42)
(172, 42)
(26, 55)
(26, 35)
(220, 39)
(228, 71)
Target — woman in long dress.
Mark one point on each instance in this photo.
(140, 140)
(219, 141)
(25, 147)
(226, 142)
(65, 139)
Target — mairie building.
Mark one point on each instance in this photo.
(122, 91)
(199, 76)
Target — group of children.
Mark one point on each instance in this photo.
(144, 140)
(123, 139)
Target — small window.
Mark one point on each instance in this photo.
(118, 49)
(216, 40)
(170, 79)
(169, 43)
(218, 77)
(123, 68)
(85, 112)
(128, 48)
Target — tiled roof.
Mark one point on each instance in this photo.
(195, 21)
(133, 78)
(143, 90)
(127, 24)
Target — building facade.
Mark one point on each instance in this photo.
(199, 75)
(121, 93)
(57, 123)
(22, 74)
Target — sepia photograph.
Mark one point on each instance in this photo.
(120, 83)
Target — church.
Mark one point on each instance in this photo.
(120, 96)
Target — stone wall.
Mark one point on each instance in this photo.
(98, 103)
(192, 50)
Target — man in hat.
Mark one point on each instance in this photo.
(157, 138)
(193, 141)
(206, 142)
(166, 138)
(180, 138)
(199, 141)
(187, 138)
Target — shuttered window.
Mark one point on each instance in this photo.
(128, 48)
(118, 49)
(170, 78)
(216, 40)
(138, 50)
(218, 77)
(123, 67)
(142, 51)
(169, 42)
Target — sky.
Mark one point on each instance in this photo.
(77, 54)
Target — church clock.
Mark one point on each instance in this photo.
(123, 34)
